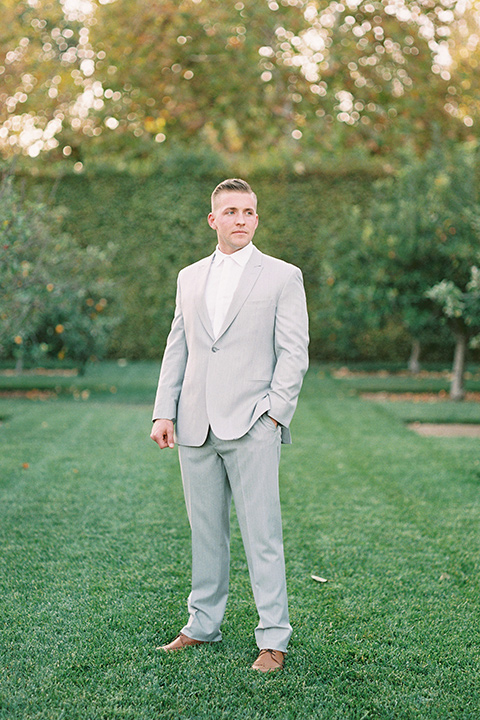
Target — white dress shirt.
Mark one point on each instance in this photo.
(223, 279)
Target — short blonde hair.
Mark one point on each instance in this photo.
(233, 184)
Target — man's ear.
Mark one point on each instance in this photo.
(211, 221)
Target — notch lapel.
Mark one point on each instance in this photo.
(201, 305)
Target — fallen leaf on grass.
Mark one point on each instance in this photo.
(318, 578)
(25, 466)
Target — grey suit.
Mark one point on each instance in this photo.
(218, 391)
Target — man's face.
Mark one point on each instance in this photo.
(235, 219)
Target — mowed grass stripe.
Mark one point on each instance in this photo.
(398, 520)
(95, 570)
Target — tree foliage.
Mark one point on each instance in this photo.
(461, 309)
(294, 76)
(55, 294)
(421, 228)
(460, 305)
(40, 74)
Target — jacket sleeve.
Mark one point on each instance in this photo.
(291, 349)
(173, 366)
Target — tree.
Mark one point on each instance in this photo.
(42, 54)
(293, 76)
(55, 294)
(356, 304)
(250, 76)
(461, 308)
(426, 220)
(382, 71)
(422, 227)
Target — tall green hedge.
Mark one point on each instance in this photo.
(158, 223)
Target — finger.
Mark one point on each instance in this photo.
(159, 439)
(170, 440)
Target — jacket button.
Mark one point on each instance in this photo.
(214, 349)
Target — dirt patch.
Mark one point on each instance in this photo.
(445, 429)
(417, 397)
(43, 372)
(344, 372)
(33, 394)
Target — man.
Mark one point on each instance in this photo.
(230, 378)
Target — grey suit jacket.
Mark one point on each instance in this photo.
(255, 365)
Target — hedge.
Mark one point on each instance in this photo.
(158, 223)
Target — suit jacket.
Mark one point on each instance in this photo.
(256, 363)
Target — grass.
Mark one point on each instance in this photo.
(94, 566)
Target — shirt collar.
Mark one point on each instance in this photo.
(241, 257)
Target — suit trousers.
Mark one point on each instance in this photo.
(247, 469)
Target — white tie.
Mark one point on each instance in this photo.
(224, 293)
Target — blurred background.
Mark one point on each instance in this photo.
(357, 123)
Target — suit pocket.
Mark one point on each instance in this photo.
(268, 422)
(259, 306)
(259, 302)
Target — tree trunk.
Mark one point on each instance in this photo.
(457, 391)
(414, 361)
(19, 365)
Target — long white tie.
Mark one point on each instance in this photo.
(224, 293)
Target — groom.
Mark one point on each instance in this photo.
(230, 378)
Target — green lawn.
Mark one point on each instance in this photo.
(94, 564)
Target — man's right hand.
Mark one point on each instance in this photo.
(162, 433)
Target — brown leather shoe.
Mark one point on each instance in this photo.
(269, 660)
(180, 642)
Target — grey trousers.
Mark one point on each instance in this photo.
(246, 468)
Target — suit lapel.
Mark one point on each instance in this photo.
(248, 279)
(201, 305)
